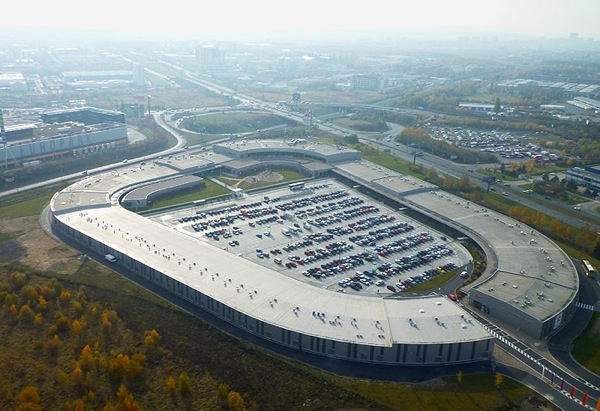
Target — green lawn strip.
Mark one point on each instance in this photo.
(212, 189)
(29, 207)
(491, 98)
(573, 199)
(232, 122)
(577, 214)
(228, 180)
(526, 186)
(355, 124)
(537, 171)
(497, 174)
(585, 346)
(432, 283)
(94, 274)
(474, 392)
(9, 236)
(547, 169)
(392, 162)
(193, 139)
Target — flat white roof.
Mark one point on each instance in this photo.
(269, 296)
(534, 267)
(90, 206)
(528, 262)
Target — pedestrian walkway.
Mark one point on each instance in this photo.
(584, 306)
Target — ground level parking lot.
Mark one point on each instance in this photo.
(327, 234)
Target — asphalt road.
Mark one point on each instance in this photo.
(513, 192)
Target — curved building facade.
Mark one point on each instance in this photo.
(426, 330)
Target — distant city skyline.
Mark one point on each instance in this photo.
(309, 20)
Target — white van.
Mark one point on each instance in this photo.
(110, 258)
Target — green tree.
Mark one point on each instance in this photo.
(498, 380)
(150, 339)
(432, 175)
(222, 391)
(184, 383)
(235, 401)
(351, 139)
(497, 105)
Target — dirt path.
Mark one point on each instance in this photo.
(265, 176)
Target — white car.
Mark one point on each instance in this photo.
(110, 258)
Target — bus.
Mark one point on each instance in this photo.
(588, 268)
(297, 186)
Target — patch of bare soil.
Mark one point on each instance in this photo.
(31, 246)
(265, 176)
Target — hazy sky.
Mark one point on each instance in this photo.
(270, 19)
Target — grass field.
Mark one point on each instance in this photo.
(210, 190)
(474, 392)
(27, 203)
(231, 122)
(432, 284)
(357, 124)
(194, 139)
(392, 162)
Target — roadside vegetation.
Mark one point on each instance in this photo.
(585, 346)
(210, 190)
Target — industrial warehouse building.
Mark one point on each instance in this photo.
(85, 115)
(423, 330)
(73, 131)
(96, 138)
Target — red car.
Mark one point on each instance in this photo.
(391, 288)
(452, 297)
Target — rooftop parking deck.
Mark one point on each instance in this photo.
(328, 235)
